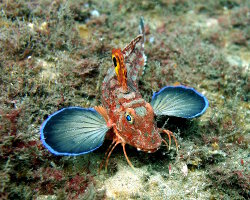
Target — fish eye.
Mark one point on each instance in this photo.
(129, 118)
(114, 61)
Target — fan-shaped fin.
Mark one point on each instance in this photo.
(73, 131)
(179, 101)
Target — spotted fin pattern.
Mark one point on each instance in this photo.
(179, 101)
(73, 131)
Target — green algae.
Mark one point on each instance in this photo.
(56, 54)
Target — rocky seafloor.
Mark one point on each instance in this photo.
(55, 54)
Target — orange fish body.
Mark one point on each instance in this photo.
(131, 117)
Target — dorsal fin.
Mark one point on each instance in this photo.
(130, 47)
(129, 63)
(120, 68)
(135, 59)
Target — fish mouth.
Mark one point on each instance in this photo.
(148, 150)
(150, 145)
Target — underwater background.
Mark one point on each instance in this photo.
(55, 54)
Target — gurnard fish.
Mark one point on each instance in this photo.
(124, 116)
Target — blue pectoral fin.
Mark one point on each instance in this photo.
(179, 101)
(73, 131)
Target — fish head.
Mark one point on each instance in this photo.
(136, 125)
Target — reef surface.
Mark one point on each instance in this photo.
(55, 54)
